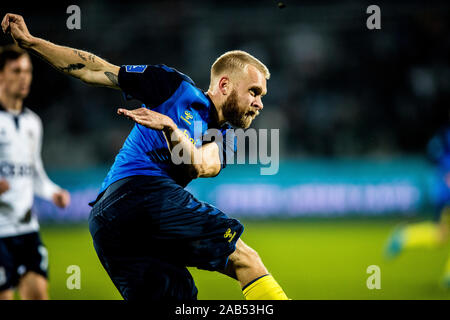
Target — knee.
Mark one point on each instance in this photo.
(7, 294)
(36, 296)
(33, 286)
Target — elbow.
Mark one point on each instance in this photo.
(195, 171)
(202, 171)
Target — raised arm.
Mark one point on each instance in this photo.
(77, 63)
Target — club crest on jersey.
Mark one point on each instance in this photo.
(136, 68)
(229, 235)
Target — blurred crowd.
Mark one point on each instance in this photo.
(337, 88)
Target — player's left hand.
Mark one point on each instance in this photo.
(148, 118)
(15, 25)
(61, 198)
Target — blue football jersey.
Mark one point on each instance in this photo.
(170, 92)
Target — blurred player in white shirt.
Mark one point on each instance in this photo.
(23, 257)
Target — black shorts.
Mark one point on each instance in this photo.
(20, 254)
(147, 230)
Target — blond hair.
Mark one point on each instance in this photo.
(236, 61)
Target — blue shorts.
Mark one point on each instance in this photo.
(147, 230)
(20, 254)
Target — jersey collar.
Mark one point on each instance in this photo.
(2, 108)
(212, 116)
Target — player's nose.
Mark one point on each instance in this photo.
(258, 105)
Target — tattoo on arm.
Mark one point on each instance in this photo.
(81, 55)
(72, 67)
(112, 77)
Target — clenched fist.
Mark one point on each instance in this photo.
(14, 25)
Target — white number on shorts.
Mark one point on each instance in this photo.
(44, 258)
(2, 276)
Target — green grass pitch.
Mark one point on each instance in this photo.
(311, 259)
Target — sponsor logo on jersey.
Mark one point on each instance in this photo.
(187, 135)
(136, 68)
(8, 169)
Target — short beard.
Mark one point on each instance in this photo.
(233, 114)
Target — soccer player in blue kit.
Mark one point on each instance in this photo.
(145, 226)
(430, 234)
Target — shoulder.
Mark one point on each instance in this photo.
(4, 113)
(151, 84)
(197, 100)
(175, 73)
(157, 70)
(33, 117)
(31, 114)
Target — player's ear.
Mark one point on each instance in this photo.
(224, 85)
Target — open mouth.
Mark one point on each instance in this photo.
(252, 114)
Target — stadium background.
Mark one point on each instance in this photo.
(355, 109)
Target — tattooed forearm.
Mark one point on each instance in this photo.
(80, 64)
(90, 57)
(112, 77)
(80, 54)
(72, 67)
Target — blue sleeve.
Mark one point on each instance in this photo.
(151, 84)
